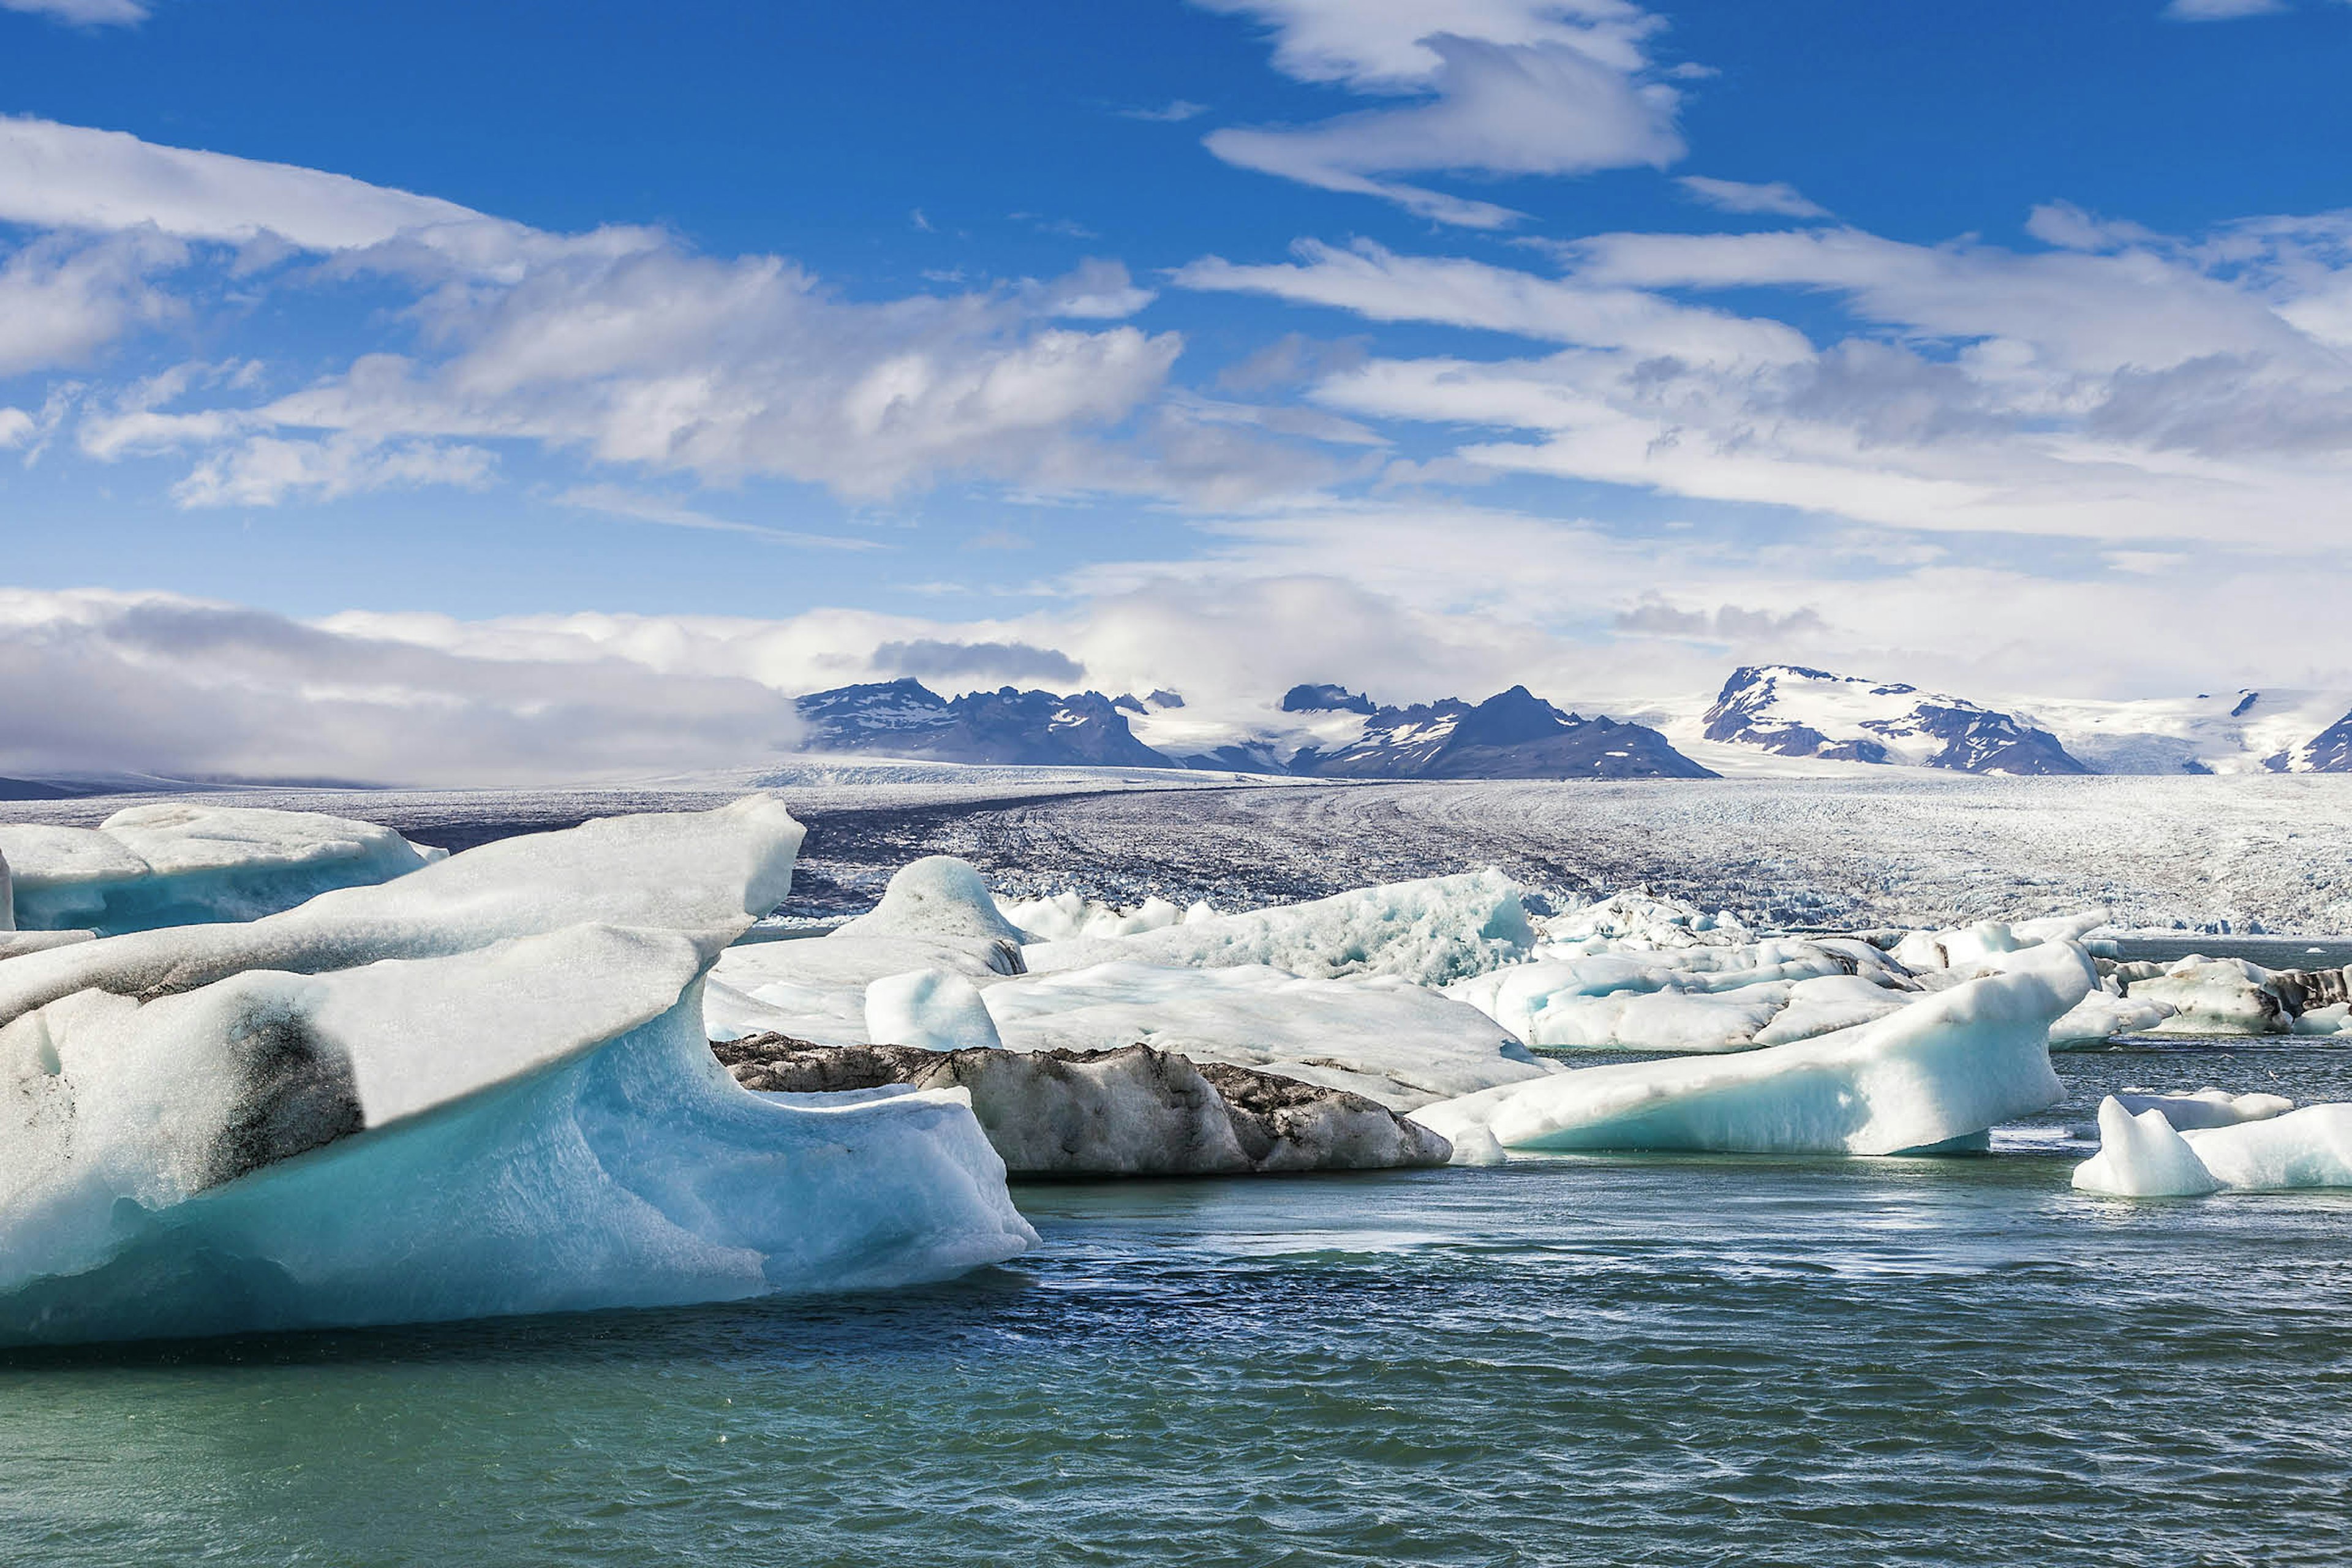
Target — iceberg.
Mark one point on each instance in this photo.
(2146, 1157)
(1700, 998)
(1938, 1072)
(1131, 1111)
(2102, 1016)
(934, 1009)
(179, 864)
(2214, 996)
(483, 1089)
(1384, 1038)
(1431, 932)
(1069, 914)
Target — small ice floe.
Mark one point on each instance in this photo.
(2146, 1155)
(1938, 1072)
(174, 863)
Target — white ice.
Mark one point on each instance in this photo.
(2214, 996)
(1431, 932)
(2143, 1156)
(1946, 1067)
(482, 1089)
(177, 863)
(1382, 1037)
(2102, 1016)
(937, 1009)
(1068, 915)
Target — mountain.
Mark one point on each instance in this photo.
(2244, 730)
(2329, 751)
(1513, 735)
(1792, 711)
(907, 719)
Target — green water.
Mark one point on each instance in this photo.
(1627, 1360)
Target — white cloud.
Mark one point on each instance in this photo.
(152, 682)
(84, 13)
(17, 428)
(263, 470)
(1505, 88)
(622, 343)
(1175, 112)
(2221, 10)
(1779, 198)
(64, 299)
(2143, 387)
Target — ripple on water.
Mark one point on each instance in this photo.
(1586, 1360)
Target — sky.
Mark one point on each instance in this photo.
(445, 392)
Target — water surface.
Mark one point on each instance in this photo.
(1599, 1360)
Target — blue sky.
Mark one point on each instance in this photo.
(1215, 345)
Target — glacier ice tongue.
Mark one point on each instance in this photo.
(482, 1089)
(1945, 1068)
(1432, 933)
(176, 863)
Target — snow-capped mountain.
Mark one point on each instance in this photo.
(1789, 710)
(1513, 735)
(1322, 732)
(2329, 751)
(907, 719)
(2221, 732)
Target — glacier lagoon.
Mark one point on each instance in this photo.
(1684, 1359)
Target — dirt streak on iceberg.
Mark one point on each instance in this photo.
(483, 1088)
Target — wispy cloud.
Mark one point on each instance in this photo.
(1171, 113)
(84, 13)
(1505, 87)
(1778, 198)
(614, 501)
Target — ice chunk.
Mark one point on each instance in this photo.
(705, 874)
(2142, 1156)
(1431, 932)
(933, 1008)
(181, 864)
(1720, 998)
(1633, 920)
(2102, 1016)
(938, 895)
(1129, 1111)
(2215, 997)
(1976, 946)
(2306, 1148)
(1070, 914)
(2333, 1019)
(815, 988)
(1948, 1066)
(449, 1096)
(1383, 1038)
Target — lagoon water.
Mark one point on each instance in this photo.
(1629, 1360)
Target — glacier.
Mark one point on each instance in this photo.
(173, 863)
(483, 1089)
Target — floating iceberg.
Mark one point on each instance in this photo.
(483, 1089)
(2102, 1016)
(2214, 996)
(1941, 1070)
(1699, 998)
(1384, 1038)
(2147, 1155)
(1430, 933)
(1131, 1111)
(1634, 920)
(177, 863)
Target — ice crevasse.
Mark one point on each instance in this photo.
(482, 1089)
